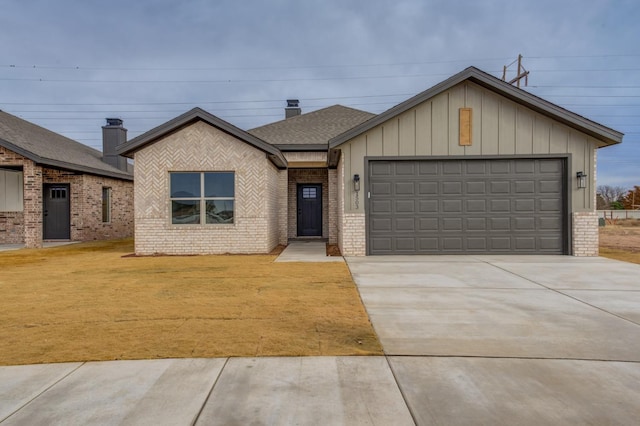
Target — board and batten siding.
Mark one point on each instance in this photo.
(499, 127)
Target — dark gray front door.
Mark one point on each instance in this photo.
(309, 210)
(57, 212)
(467, 206)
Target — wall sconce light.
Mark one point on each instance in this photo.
(582, 180)
(356, 183)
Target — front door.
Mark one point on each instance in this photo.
(57, 212)
(309, 210)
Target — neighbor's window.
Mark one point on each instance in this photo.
(11, 199)
(202, 198)
(106, 205)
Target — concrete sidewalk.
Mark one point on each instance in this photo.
(45, 244)
(235, 391)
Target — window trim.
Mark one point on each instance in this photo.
(203, 199)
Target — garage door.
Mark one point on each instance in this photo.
(466, 206)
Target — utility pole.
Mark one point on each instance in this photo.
(522, 73)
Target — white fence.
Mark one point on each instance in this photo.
(619, 214)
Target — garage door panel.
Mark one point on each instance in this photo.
(549, 187)
(428, 224)
(550, 205)
(476, 167)
(405, 168)
(525, 187)
(525, 205)
(452, 224)
(525, 243)
(476, 244)
(451, 188)
(500, 187)
(467, 206)
(405, 206)
(427, 188)
(525, 166)
(452, 244)
(404, 188)
(550, 243)
(428, 206)
(380, 168)
(381, 188)
(476, 224)
(405, 224)
(500, 244)
(498, 167)
(476, 188)
(550, 166)
(429, 168)
(451, 168)
(428, 244)
(381, 206)
(500, 223)
(476, 206)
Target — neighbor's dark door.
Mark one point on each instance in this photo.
(309, 210)
(57, 212)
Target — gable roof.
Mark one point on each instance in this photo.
(311, 131)
(602, 133)
(192, 116)
(48, 148)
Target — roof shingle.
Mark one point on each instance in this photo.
(314, 128)
(49, 148)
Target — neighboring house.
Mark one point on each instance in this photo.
(54, 188)
(470, 166)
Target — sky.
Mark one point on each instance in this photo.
(67, 65)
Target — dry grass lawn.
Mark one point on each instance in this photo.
(87, 302)
(621, 240)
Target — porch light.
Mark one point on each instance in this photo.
(356, 183)
(582, 180)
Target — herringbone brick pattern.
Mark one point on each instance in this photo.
(201, 147)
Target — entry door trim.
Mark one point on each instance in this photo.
(56, 212)
(309, 210)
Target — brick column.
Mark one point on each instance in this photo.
(585, 234)
(32, 204)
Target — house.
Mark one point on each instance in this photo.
(472, 165)
(54, 188)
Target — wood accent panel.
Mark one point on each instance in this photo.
(465, 137)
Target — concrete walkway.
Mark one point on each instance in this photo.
(307, 251)
(496, 340)
(46, 244)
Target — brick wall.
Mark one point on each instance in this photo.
(32, 175)
(121, 223)
(201, 147)
(351, 226)
(585, 234)
(332, 209)
(297, 176)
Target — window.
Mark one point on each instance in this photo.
(308, 192)
(11, 183)
(106, 205)
(202, 198)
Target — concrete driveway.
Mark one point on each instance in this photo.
(508, 339)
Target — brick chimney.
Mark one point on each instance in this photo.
(292, 109)
(113, 134)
